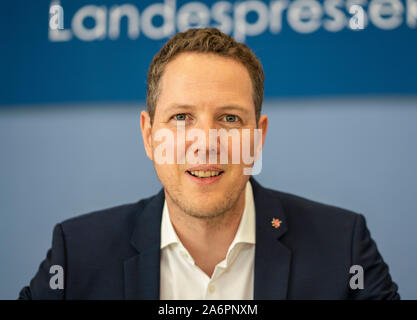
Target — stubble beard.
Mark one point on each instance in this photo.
(215, 215)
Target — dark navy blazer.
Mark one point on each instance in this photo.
(115, 253)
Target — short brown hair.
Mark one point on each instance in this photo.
(205, 40)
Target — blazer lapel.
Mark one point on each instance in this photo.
(142, 271)
(272, 257)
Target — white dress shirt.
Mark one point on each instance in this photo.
(232, 278)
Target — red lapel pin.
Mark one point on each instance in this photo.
(276, 223)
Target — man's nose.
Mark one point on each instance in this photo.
(208, 127)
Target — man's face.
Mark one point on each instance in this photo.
(202, 91)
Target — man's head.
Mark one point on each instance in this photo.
(203, 79)
(209, 41)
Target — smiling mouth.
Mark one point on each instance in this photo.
(205, 174)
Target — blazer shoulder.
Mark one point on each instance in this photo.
(297, 207)
(113, 218)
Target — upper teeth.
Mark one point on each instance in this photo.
(205, 174)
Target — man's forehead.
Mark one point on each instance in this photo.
(193, 68)
(195, 82)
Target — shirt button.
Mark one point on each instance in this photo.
(212, 288)
(184, 254)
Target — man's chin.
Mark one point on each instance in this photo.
(206, 215)
(204, 207)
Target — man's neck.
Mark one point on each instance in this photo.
(207, 240)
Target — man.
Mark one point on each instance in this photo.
(213, 232)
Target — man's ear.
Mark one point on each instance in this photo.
(146, 128)
(263, 124)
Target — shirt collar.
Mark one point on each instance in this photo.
(245, 232)
(168, 234)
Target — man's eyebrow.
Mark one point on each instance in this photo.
(178, 106)
(234, 108)
(231, 107)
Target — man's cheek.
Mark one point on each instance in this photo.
(164, 147)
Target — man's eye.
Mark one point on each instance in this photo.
(180, 117)
(231, 118)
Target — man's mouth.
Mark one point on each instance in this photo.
(204, 174)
